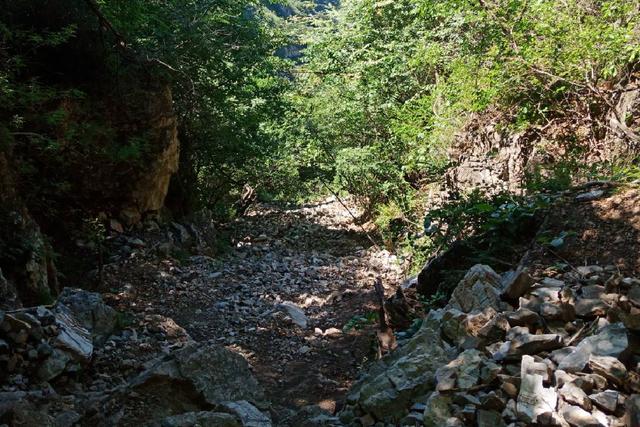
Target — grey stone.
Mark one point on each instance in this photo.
(453, 326)
(315, 416)
(525, 343)
(67, 419)
(201, 419)
(27, 414)
(634, 295)
(216, 373)
(492, 402)
(90, 311)
(591, 307)
(610, 341)
(578, 417)
(562, 377)
(592, 291)
(606, 400)
(480, 288)
(573, 394)
(248, 414)
(36, 330)
(510, 412)
(632, 410)
(588, 270)
(437, 412)
(523, 317)
(45, 316)
(589, 196)
(558, 311)
(534, 399)
(561, 353)
(489, 419)
(466, 371)
(609, 367)
(516, 283)
(54, 365)
(296, 313)
(590, 382)
(495, 329)
(550, 282)
(72, 337)
(631, 320)
(389, 386)
(547, 294)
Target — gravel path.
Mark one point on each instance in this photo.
(282, 297)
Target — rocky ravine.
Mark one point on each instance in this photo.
(517, 351)
(192, 336)
(255, 338)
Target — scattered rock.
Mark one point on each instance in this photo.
(606, 400)
(632, 411)
(248, 414)
(387, 389)
(523, 342)
(489, 419)
(610, 341)
(589, 196)
(573, 394)
(609, 367)
(468, 370)
(201, 369)
(54, 365)
(534, 399)
(516, 283)
(90, 312)
(480, 288)
(72, 337)
(296, 313)
(578, 417)
(202, 419)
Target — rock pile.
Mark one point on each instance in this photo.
(46, 351)
(515, 351)
(41, 343)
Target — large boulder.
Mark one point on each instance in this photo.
(387, 390)
(480, 288)
(90, 312)
(199, 376)
(611, 340)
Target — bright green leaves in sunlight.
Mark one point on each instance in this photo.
(384, 86)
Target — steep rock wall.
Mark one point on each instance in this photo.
(491, 157)
(102, 138)
(27, 274)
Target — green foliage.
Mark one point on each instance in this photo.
(498, 217)
(554, 241)
(228, 83)
(434, 301)
(385, 85)
(360, 321)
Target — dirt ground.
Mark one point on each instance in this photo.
(312, 256)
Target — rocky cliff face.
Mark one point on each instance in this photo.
(492, 157)
(149, 190)
(100, 141)
(27, 274)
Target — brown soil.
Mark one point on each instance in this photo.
(604, 231)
